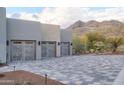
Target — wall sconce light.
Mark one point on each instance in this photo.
(71, 44)
(58, 43)
(39, 43)
(7, 42)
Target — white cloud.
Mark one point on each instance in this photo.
(66, 16)
(24, 15)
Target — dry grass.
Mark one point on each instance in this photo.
(25, 78)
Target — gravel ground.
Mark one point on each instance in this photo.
(83, 70)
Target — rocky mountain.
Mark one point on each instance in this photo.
(112, 27)
(77, 24)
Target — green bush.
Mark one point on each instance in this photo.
(96, 42)
(115, 42)
(78, 46)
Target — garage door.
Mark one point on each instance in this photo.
(22, 50)
(29, 48)
(65, 48)
(48, 49)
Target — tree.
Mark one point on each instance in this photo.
(115, 42)
(93, 38)
(116, 37)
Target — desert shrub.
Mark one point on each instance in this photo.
(78, 46)
(95, 41)
(99, 46)
(115, 42)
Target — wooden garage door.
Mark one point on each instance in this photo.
(48, 49)
(22, 50)
(65, 48)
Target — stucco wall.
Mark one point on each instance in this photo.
(3, 35)
(66, 36)
(51, 33)
(24, 30)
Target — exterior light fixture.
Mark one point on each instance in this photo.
(39, 43)
(58, 43)
(7, 42)
(71, 44)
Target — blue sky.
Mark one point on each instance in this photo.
(98, 8)
(24, 9)
(38, 9)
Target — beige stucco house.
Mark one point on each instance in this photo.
(22, 40)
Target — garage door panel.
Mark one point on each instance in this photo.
(16, 51)
(51, 50)
(65, 48)
(48, 49)
(43, 49)
(29, 50)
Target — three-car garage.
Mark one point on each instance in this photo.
(25, 50)
(29, 40)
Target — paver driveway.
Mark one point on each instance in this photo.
(87, 69)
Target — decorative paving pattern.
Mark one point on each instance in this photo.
(87, 69)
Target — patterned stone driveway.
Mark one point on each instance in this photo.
(85, 69)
